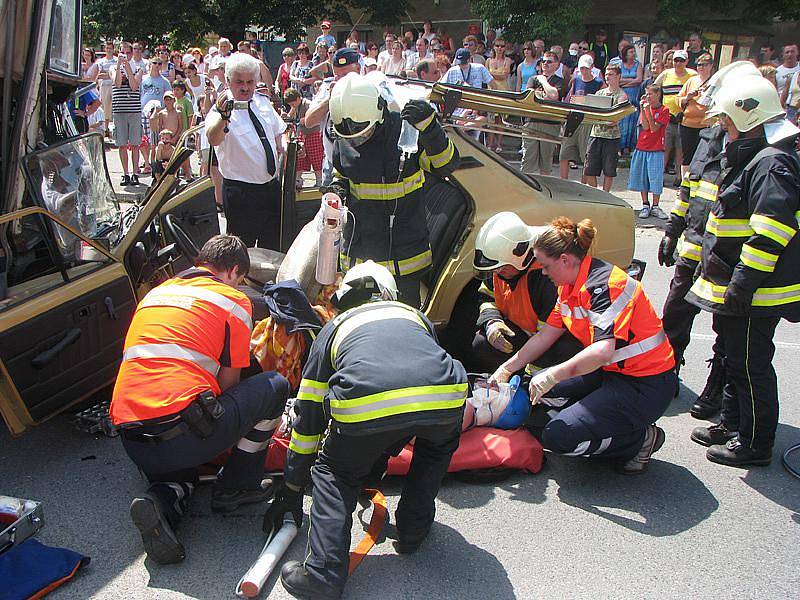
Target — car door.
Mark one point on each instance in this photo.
(62, 322)
(195, 209)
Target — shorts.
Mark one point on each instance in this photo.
(602, 155)
(647, 171)
(127, 129)
(574, 148)
(690, 138)
(672, 137)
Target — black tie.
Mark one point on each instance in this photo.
(264, 141)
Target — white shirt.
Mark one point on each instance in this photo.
(106, 65)
(414, 59)
(241, 155)
(784, 76)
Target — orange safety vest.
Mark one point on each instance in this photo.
(605, 301)
(515, 303)
(182, 333)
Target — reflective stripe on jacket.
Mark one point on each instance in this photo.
(182, 333)
(606, 303)
(751, 239)
(376, 367)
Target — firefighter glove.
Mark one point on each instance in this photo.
(498, 333)
(738, 300)
(541, 383)
(419, 113)
(285, 500)
(666, 251)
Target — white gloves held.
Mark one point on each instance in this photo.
(498, 333)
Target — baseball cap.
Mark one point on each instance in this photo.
(370, 62)
(212, 50)
(680, 54)
(462, 56)
(585, 61)
(325, 23)
(218, 62)
(345, 56)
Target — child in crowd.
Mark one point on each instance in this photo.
(602, 153)
(647, 164)
(183, 104)
(163, 152)
(311, 138)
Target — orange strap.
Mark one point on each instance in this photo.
(373, 531)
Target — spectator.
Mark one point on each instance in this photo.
(538, 154)
(767, 56)
(480, 49)
(325, 36)
(500, 68)
(105, 82)
(396, 63)
(162, 152)
(656, 53)
(694, 113)
(320, 53)
(786, 69)
(471, 45)
(491, 36)
(225, 47)
(249, 145)
(89, 66)
(647, 166)
(669, 63)
(310, 138)
(528, 67)
(511, 53)
(446, 41)
(81, 107)
(167, 68)
(372, 52)
(559, 52)
(632, 75)
(300, 73)
(671, 82)
(196, 84)
(184, 107)
(695, 49)
(323, 69)
(176, 60)
(423, 53)
(126, 106)
(790, 98)
(283, 81)
(170, 117)
(602, 152)
(574, 148)
(427, 70)
(136, 57)
(152, 87)
(354, 38)
(571, 60)
(443, 64)
(96, 119)
(655, 68)
(623, 43)
(465, 72)
(388, 41)
(370, 65)
(539, 49)
(408, 43)
(427, 31)
(197, 54)
(600, 48)
(769, 73)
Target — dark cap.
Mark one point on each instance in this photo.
(345, 56)
(462, 56)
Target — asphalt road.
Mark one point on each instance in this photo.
(687, 528)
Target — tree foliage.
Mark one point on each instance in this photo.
(187, 21)
(524, 19)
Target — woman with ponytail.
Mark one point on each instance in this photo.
(609, 395)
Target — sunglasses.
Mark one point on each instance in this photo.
(158, 64)
(679, 60)
(549, 62)
(466, 44)
(499, 45)
(704, 64)
(583, 47)
(331, 51)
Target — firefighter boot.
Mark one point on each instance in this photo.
(709, 401)
(302, 584)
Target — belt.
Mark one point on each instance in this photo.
(133, 433)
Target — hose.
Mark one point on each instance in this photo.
(785, 459)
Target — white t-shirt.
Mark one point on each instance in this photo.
(241, 155)
(784, 75)
(105, 65)
(413, 60)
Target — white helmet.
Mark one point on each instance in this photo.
(505, 239)
(748, 102)
(364, 282)
(356, 107)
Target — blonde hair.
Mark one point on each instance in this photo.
(567, 237)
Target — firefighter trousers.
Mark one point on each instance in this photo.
(750, 396)
(678, 313)
(605, 414)
(345, 462)
(253, 409)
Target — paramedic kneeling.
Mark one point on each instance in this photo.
(606, 398)
(178, 399)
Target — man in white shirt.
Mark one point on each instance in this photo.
(386, 54)
(136, 59)
(423, 53)
(247, 135)
(788, 68)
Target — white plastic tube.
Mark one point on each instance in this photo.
(250, 584)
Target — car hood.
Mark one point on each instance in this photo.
(561, 188)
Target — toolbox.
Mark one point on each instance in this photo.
(19, 520)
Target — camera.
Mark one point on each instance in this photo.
(123, 57)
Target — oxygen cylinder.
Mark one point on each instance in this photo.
(331, 220)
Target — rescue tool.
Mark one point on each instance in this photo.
(250, 584)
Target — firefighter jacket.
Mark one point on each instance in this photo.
(376, 367)
(750, 239)
(182, 333)
(697, 195)
(386, 202)
(525, 300)
(606, 303)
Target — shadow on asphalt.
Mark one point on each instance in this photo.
(781, 489)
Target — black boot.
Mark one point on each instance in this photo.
(735, 454)
(709, 402)
(158, 536)
(715, 435)
(302, 584)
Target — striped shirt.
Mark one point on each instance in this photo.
(124, 100)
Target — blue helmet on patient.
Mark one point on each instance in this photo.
(518, 409)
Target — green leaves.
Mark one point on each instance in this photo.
(523, 20)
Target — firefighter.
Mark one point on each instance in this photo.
(178, 399)
(697, 195)
(379, 374)
(749, 278)
(609, 395)
(519, 297)
(383, 186)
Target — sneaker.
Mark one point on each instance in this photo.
(134, 179)
(302, 584)
(715, 435)
(126, 180)
(653, 440)
(159, 540)
(709, 402)
(227, 500)
(658, 213)
(736, 454)
(645, 212)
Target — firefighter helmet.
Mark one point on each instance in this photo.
(505, 240)
(748, 102)
(356, 107)
(364, 282)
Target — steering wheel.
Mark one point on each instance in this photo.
(182, 239)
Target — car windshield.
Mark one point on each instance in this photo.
(69, 180)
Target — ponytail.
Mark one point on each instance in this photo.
(566, 237)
